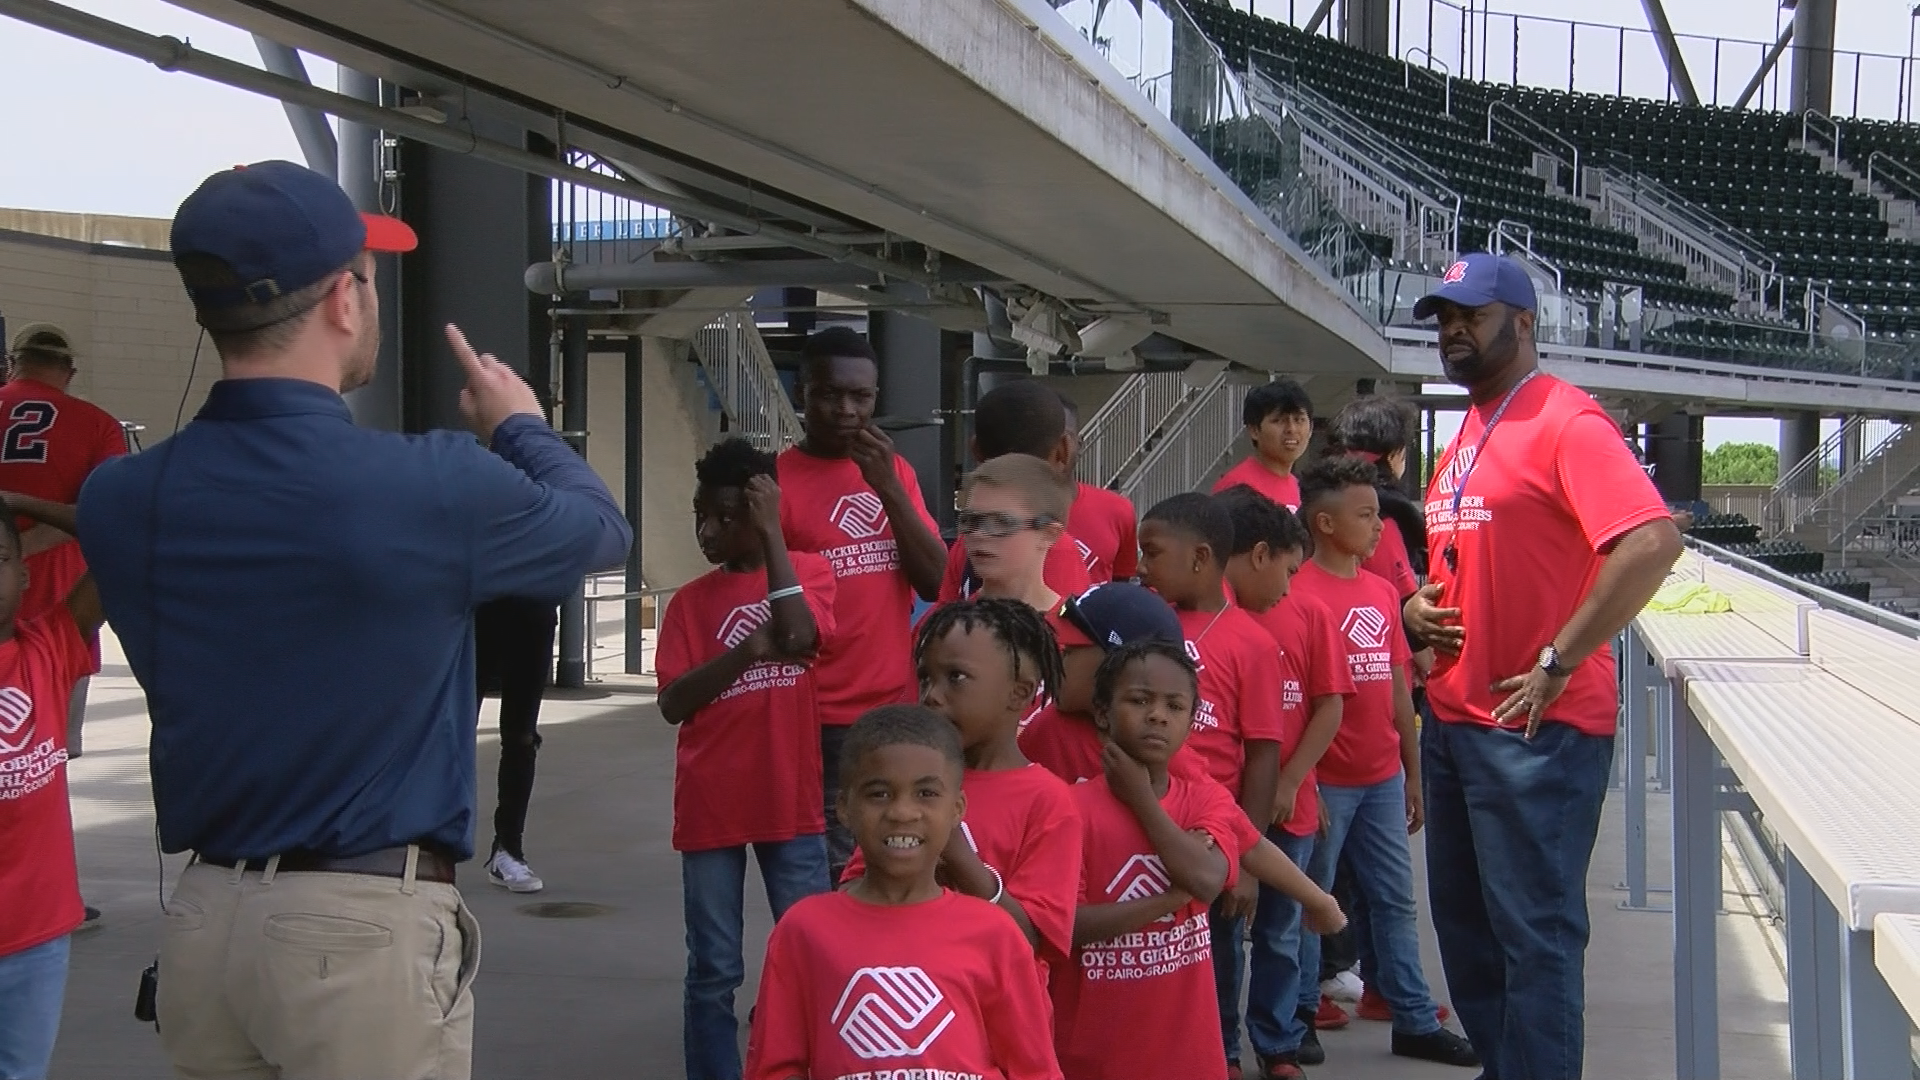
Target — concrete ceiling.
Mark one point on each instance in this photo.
(956, 123)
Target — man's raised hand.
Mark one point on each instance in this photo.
(493, 392)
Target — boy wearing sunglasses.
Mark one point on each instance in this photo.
(1013, 513)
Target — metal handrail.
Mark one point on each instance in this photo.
(593, 624)
(743, 377)
(1793, 484)
(1814, 122)
(1339, 123)
(1494, 106)
(1159, 475)
(1744, 258)
(1445, 80)
(1902, 176)
(1520, 234)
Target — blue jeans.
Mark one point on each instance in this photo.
(1228, 936)
(1279, 971)
(33, 982)
(1369, 826)
(1511, 824)
(714, 883)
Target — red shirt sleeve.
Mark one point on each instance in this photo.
(1391, 561)
(111, 442)
(1046, 880)
(956, 569)
(1214, 812)
(1608, 491)
(1402, 652)
(676, 654)
(1021, 1048)
(1259, 707)
(1063, 571)
(70, 654)
(777, 1040)
(1126, 560)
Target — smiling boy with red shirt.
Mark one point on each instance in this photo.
(853, 501)
(1279, 420)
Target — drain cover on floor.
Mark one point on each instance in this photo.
(564, 909)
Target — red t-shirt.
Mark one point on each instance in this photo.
(1313, 664)
(1284, 490)
(1390, 560)
(1141, 1006)
(826, 507)
(1022, 823)
(1069, 748)
(1065, 570)
(1555, 487)
(1239, 672)
(1109, 529)
(855, 991)
(747, 766)
(1367, 749)
(50, 442)
(38, 877)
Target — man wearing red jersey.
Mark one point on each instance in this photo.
(1549, 539)
(734, 678)
(1370, 775)
(40, 658)
(1279, 419)
(1022, 417)
(852, 500)
(1102, 519)
(1269, 545)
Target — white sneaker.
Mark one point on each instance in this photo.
(1345, 986)
(511, 874)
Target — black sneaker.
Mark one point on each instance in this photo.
(1311, 1052)
(1440, 1046)
(90, 918)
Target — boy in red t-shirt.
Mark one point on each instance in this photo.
(981, 663)
(856, 503)
(896, 971)
(1279, 419)
(1103, 520)
(1269, 545)
(733, 664)
(1237, 727)
(41, 658)
(1023, 417)
(1370, 775)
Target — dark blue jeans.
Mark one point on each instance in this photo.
(1228, 956)
(714, 885)
(1277, 971)
(1511, 824)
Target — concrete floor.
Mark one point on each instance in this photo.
(600, 995)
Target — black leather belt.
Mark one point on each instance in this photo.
(434, 865)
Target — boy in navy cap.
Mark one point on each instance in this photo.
(271, 548)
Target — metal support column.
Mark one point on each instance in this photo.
(1643, 685)
(310, 127)
(571, 671)
(1811, 81)
(1696, 900)
(1677, 76)
(910, 365)
(1873, 1025)
(635, 412)
(1813, 977)
(1767, 64)
(1676, 451)
(1367, 25)
(362, 172)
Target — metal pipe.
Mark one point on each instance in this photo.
(172, 54)
(636, 580)
(753, 243)
(550, 278)
(310, 126)
(1319, 16)
(571, 673)
(1767, 64)
(1677, 77)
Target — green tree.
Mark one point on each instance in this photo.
(1741, 463)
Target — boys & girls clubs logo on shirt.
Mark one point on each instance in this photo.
(1146, 954)
(891, 1012)
(739, 624)
(24, 767)
(863, 518)
(1369, 629)
(1473, 508)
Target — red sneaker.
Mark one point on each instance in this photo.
(1235, 1072)
(1331, 1016)
(1374, 1007)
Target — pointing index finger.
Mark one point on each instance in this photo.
(462, 351)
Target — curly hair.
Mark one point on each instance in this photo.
(901, 725)
(1032, 650)
(1105, 680)
(730, 463)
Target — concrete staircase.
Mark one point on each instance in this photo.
(1895, 193)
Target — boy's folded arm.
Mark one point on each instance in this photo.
(58, 515)
(703, 684)
(1198, 869)
(83, 604)
(1098, 922)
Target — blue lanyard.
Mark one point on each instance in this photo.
(1460, 486)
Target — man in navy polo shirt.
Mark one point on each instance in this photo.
(296, 596)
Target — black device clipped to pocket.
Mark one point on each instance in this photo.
(146, 1002)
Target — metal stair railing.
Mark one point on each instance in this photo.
(1900, 181)
(1123, 429)
(1538, 138)
(1715, 254)
(742, 376)
(1193, 446)
(1891, 470)
(1790, 504)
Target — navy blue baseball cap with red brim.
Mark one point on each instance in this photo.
(1477, 280)
(1120, 613)
(254, 233)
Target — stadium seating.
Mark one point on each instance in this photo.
(1724, 530)
(1786, 556)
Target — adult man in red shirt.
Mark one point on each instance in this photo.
(1547, 539)
(1279, 419)
(851, 499)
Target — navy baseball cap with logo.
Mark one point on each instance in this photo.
(1121, 612)
(1477, 280)
(255, 233)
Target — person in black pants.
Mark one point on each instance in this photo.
(513, 641)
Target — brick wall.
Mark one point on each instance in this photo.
(132, 328)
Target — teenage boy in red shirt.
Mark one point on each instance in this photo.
(1185, 542)
(1370, 775)
(734, 678)
(41, 659)
(895, 971)
(1022, 417)
(1103, 520)
(1269, 546)
(853, 501)
(1160, 847)
(1279, 419)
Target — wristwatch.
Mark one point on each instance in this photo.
(1550, 663)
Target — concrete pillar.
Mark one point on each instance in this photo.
(1812, 54)
(1675, 446)
(379, 404)
(1367, 25)
(909, 348)
(479, 226)
(1799, 436)
(1852, 448)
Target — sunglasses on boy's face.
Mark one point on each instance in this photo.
(996, 526)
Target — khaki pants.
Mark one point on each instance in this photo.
(316, 977)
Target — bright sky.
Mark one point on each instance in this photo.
(88, 130)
